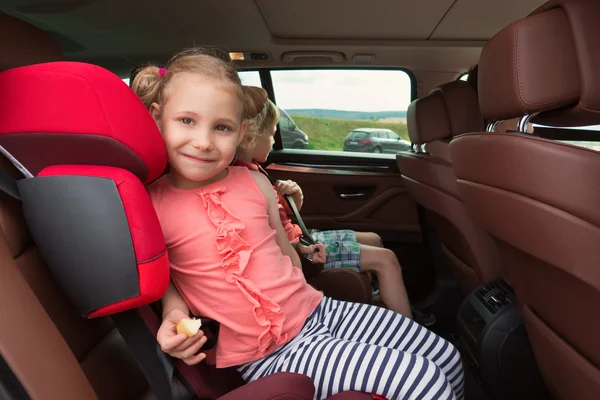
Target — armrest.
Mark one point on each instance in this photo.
(279, 386)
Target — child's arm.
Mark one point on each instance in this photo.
(172, 300)
(274, 220)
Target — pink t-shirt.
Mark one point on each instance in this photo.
(292, 230)
(227, 265)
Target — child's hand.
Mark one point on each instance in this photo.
(180, 345)
(318, 252)
(288, 188)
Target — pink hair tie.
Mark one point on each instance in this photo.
(162, 72)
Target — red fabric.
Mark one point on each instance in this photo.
(292, 230)
(80, 99)
(146, 233)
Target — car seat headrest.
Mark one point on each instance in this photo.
(463, 107)
(544, 64)
(69, 113)
(583, 17)
(88, 143)
(427, 119)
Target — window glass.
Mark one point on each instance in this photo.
(326, 105)
(464, 77)
(593, 145)
(358, 135)
(284, 121)
(250, 78)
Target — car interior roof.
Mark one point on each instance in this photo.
(433, 35)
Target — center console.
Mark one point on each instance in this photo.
(495, 343)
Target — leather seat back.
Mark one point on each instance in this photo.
(539, 198)
(433, 121)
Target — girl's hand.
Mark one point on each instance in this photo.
(287, 188)
(180, 345)
(290, 188)
(318, 252)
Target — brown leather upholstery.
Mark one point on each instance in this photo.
(422, 128)
(24, 44)
(512, 81)
(542, 209)
(449, 110)
(538, 198)
(585, 30)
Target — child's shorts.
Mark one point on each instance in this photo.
(343, 251)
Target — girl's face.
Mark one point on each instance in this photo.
(201, 124)
(263, 145)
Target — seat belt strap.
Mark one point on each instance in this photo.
(8, 185)
(157, 366)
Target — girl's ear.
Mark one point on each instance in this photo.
(155, 112)
(243, 129)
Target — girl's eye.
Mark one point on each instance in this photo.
(223, 128)
(187, 121)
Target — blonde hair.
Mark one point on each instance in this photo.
(151, 83)
(266, 115)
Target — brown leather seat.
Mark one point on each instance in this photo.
(433, 120)
(540, 199)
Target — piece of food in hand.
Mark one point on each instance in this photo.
(189, 326)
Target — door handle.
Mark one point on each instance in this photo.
(352, 195)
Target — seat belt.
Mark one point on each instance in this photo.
(157, 366)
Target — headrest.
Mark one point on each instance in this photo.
(449, 110)
(583, 16)
(27, 45)
(427, 119)
(463, 107)
(69, 113)
(544, 63)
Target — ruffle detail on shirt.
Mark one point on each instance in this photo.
(236, 254)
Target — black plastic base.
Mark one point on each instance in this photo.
(496, 345)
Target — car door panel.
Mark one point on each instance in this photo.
(349, 195)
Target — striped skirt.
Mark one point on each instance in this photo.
(349, 346)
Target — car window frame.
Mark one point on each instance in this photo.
(267, 84)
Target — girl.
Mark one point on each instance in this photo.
(231, 260)
(344, 248)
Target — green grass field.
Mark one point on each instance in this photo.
(329, 133)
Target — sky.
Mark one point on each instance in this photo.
(348, 90)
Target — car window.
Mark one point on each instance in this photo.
(588, 144)
(284, 122)
(250, 78)
(358, 135)
(328, 104)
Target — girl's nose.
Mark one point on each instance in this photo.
(203, 141)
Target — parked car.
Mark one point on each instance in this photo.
(375, 140)
(291, 135)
